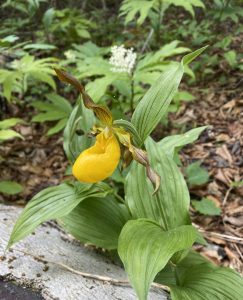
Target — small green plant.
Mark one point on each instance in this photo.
(5, 132)
(196, 175)
(20, 15)
(206, 207)
(25, 72)
(28, 7)
(211, 29)
(10, 187)
(149, 227)
(146, 8)
(68, 22)
(6, 186)
(56, 109)
(226, 9)
(154, 10)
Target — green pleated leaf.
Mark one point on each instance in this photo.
(156, 101)
(204, 282)
(97, 222)
(128, 126)
(53, 203)
(168, 276)
(145, 249)
(195, 278)
(169, 206)
(171, 143)
(191, 56)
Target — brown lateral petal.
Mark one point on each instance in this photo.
(141, 156)
(101, 112)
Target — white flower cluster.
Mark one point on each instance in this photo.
(70, 55)
(122, 60)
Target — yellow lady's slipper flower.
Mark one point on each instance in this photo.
(99, 161)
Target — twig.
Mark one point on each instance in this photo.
(227, 195)
(226, 237)
(92, 276)
(104, 6)
(147, 40)
(238, 250)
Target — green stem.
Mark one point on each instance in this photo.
(132, 95)
(119, 198)
(162, 9)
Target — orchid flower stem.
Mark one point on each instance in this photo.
(119, 198)
(132, 95)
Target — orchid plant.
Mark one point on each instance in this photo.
(149, 225)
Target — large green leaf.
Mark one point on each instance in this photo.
(205, 282)
(97, 221)
(195, 278)
(156, 101)
(53, 203)
(145, 249)
(171, 143)
(169, 206)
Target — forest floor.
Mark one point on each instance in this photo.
(38, 161)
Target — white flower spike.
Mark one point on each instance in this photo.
(122, 60)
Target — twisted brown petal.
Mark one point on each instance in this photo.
(140, 156)
(101, 112)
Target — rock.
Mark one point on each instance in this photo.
(51, 280)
